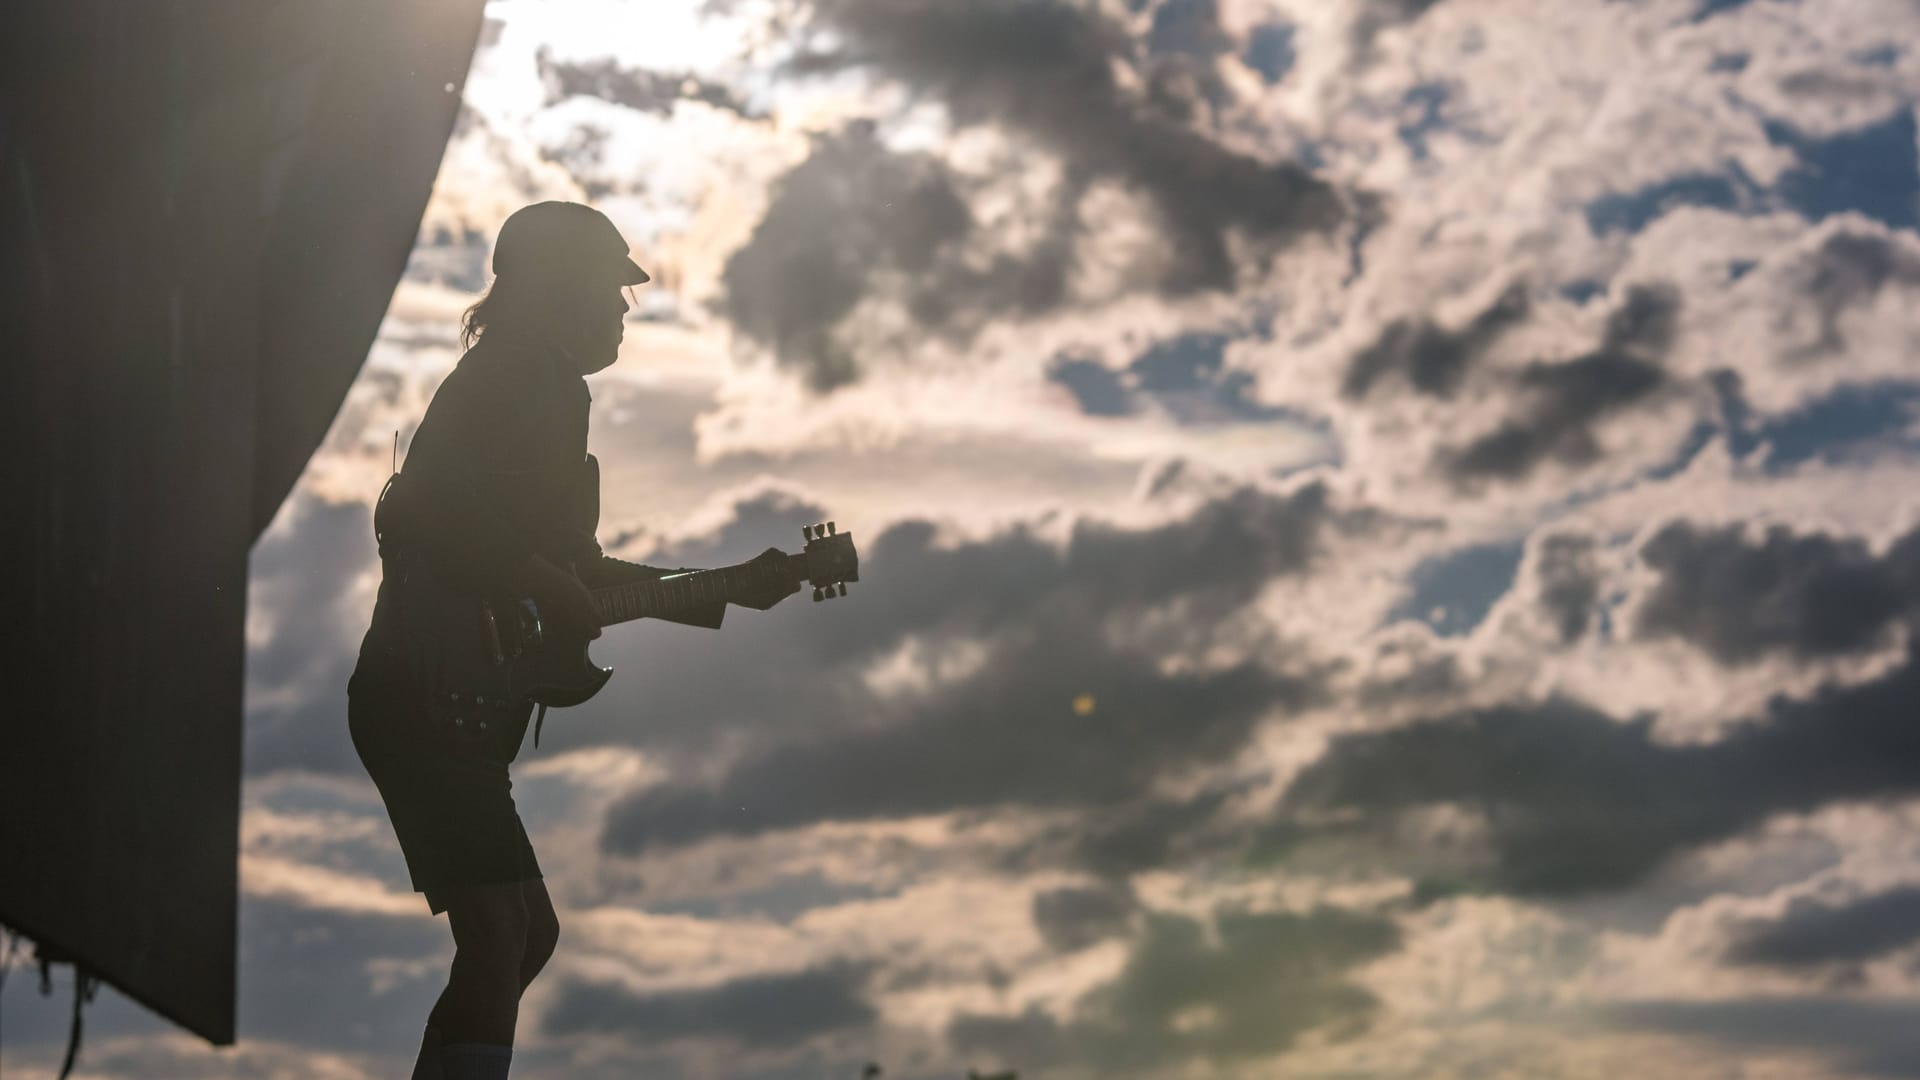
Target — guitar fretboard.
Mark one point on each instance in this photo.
(673, 593)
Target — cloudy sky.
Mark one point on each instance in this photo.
(1390, 547)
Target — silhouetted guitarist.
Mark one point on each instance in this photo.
(498, 493)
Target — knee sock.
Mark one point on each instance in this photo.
(427, 1065)
(475, 1061)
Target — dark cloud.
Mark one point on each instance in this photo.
(304, 575)
(1189, 28)
(687, 698)
(1073, 918)
(1124, 840)
(1044, 70)
(1569, 583)
(1211, 562)
(1848, 270)
(1185, 41)
(1575, 801)
(854, 210)
(1859, 1037)
(1262, 982)
(636, 88)
(1430, 359)
(767, 1012)
(1741, 598)
(303, 975)
(1813, 933)
(1007, 734)
(782, 900)
(1564, 401)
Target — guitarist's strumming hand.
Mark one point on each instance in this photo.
(778, 583)
(560, 596)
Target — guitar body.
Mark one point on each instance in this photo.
(556, 673)
(494, 650)
(490, 652)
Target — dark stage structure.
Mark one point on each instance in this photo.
(205, 206)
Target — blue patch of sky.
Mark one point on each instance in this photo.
(1874, 170)
(1730, 63)
(1710, 8)
(1452, 593)
(1850, 420)
(1422, 104)
(1185, 376)
(1885, 55)
(1096, 387)
(1632, 211)
(1582, 290)
(1740, 268)
(1270, 51)
(1848, 423)
(1183, 362)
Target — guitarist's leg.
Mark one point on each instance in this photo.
(474, 1018)
(543, 930)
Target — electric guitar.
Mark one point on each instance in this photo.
(494, 652)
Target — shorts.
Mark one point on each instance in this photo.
(442, 772)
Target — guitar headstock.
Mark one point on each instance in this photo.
(831, 560)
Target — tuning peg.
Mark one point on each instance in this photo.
(843, 588)
(829, 528)
(818, 595)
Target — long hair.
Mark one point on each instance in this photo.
(474, 320)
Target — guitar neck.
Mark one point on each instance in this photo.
(676, 593)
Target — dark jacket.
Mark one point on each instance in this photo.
(498, 470)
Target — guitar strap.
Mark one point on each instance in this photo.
(585, 510)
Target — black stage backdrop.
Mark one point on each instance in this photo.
(204, 209)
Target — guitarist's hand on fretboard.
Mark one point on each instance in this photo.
(778, 584)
